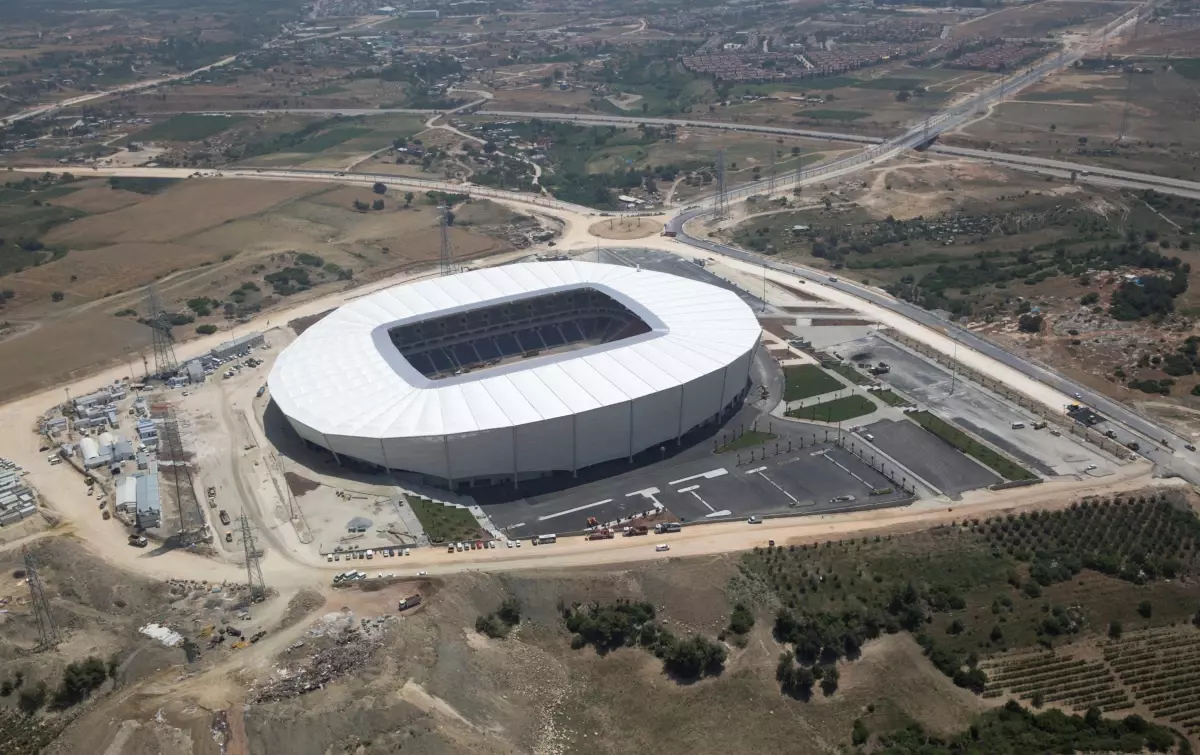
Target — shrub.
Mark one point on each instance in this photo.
(56, 296)
(32, 698)
(206, 329)
(1030, 323)
(742, 621)
(1144, 609)
(1115, 630)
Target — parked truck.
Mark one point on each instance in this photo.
(604, 534)
(638, 529)
(410, 602)
(224, 517)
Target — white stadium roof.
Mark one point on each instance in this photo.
(344, 376)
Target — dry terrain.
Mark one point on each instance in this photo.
(200, 239)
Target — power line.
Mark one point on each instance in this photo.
(771, 176)
(447, 254)
(48, 636)
(192, 525)
(722, 205)
(254, 576)
(165, 363)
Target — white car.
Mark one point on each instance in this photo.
(406, 551)
(508, 544)
(661, 547)
(492, 544)
(1090, 467)
(422, 574)
(754, 520)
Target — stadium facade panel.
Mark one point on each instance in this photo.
(517, 371)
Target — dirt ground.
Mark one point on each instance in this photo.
(220, 235)
(625, 228)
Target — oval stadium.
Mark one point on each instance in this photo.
(509, 373)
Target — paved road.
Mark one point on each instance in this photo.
(1134, 425)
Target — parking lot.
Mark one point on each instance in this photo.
(982, 413)
(814, 479)
(930, 458)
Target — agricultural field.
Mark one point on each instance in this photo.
(1082, 115)
(232, 248)
(186, 127)
(1008, 606)
(1041, 19)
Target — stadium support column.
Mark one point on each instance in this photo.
(630, 431)
(516, 463)
(679, 432)
(329, 447)
(383, 455)
(574, 444)
(449, 471)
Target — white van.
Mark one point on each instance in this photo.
(1018, 425)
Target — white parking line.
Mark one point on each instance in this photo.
(572, 511)
(759, 472)
(710, 474)
(647, 493)
(847, 471)
(693, 490)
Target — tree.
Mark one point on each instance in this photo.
(379, 188)
(1144, 609)
(1030, 323)
(829, 679)
(996, 634)
(742, 620)
(510, 611)
(1054, 127)
(56, 296)
(1115, 629)
(361, 206)
(903, 95)
(377, 204)
(1091, 297)
(859, 735)
(32, 698)
(408, 198)
(1039, 699)
(489, 147)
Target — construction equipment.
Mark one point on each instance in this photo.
(138, 541)
(593, 521)
(224, 515)
(636, 530)
(410, 602)
(604, 534)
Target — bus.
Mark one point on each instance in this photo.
(545, 539)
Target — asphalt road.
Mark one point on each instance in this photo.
(1131, 426)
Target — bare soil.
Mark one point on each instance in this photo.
(625, 228)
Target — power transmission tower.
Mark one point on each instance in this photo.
(47, 631)
(192, 528)
(1137, 21)
(722, 203)
(165, 363)
(447, 256)
(254, 577)
(771, 176)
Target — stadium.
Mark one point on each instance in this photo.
(516, 372)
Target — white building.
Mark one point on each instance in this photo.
(518, 371)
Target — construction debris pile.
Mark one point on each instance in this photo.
(353, 647)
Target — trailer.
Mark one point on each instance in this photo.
(604, 534)
(636, 530)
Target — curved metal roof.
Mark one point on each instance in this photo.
(343, 376)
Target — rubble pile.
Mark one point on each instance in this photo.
(352, 650)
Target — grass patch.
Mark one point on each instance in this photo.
(1004, 467)
(330, 138)
(892, 399)
(832, 115)
(747, 440)
(891, 83)
(837, 410)
(828, 82)
(851, 374)
(187, 127)
(806, 381)
(321, 91)
(1058, 97)
(1188, 67)
(142, 185)
(442, 523)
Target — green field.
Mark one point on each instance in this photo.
(1188, 67)
(837, 410)
(747, 440)
(808, 380)
(444, 523)
(890, 83)
(828, 82)
(822, 114)
(968, 445)
(850, 373)
(1058, 97)
(142, 185)
(187, 127)
(326, 90)
(330, 138)
(892, 399)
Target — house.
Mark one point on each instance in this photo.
(92, 455)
